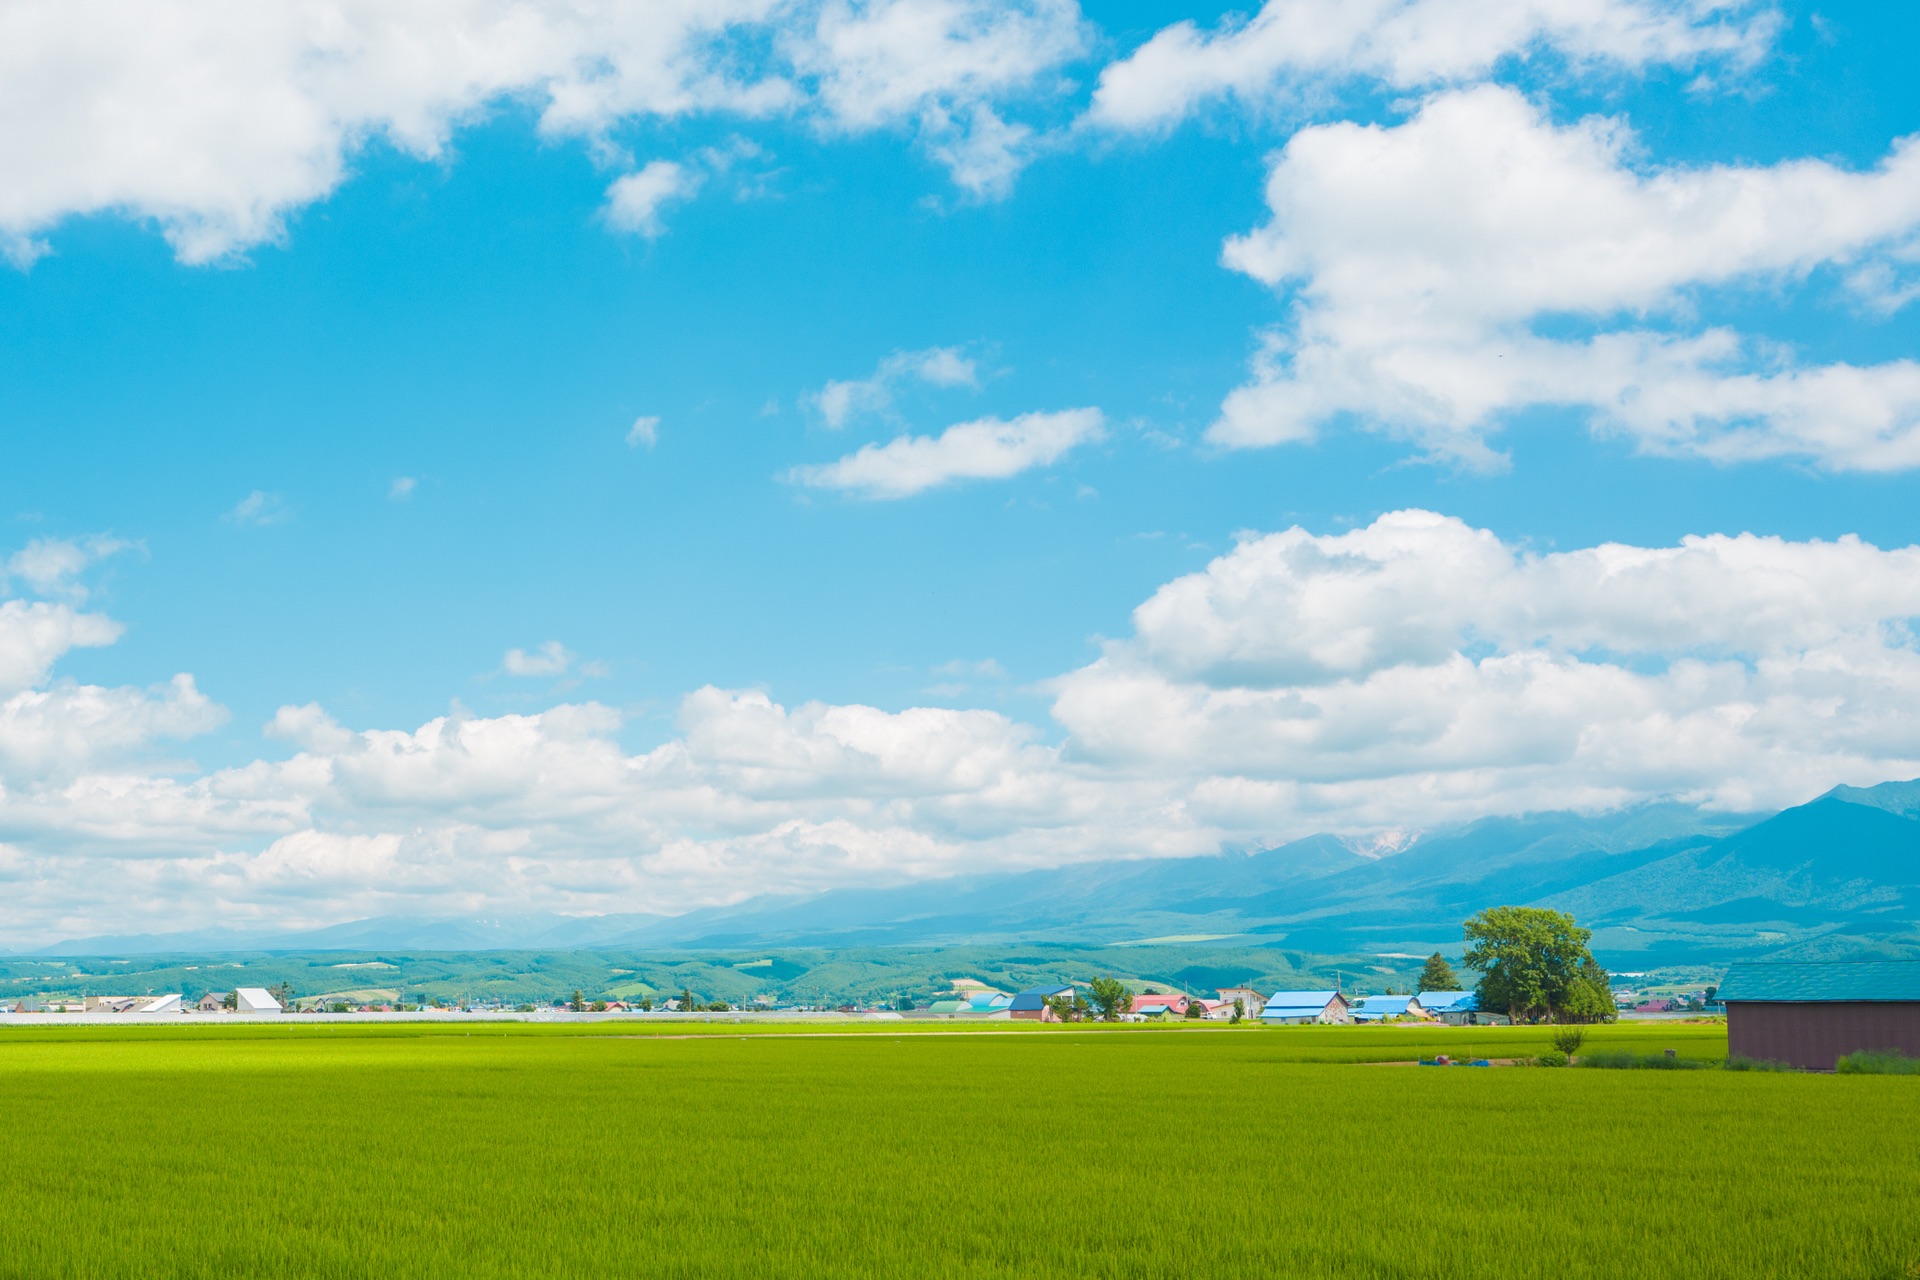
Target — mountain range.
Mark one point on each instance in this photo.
(1659, 884)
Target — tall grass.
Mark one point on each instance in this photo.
(1878, 1062)
(1078, 1155)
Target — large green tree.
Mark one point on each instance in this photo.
(1438, 975)
(1534, 963)
(1111, 997)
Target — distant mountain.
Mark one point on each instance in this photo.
(1660, 884)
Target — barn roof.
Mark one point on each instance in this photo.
(1808, 981)
(1383, 1007)
(1035, 998)
(1447, 1001)
(1297, 1004)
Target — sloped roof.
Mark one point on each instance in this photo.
(1295, 1004)
(1035, 998)
(258, 997)
(1382, 1006)
(1809, 981)
(1448, 1001)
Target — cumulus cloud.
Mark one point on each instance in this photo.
(36, 634)
(941, 65)
(550, 659)
(1414, 671)
(644, 431)
(987, 449)
(1275, 57)
(1427, 259)
(841, 401)
(1418, 664)
(216, 119)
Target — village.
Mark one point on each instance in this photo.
(970, 1001)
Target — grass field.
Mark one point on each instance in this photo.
(516, 1151)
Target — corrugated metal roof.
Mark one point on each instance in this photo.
(1297, 1004)
(1447, 1001)
(1382, 1007)
(1035, 998)
(1822, 981)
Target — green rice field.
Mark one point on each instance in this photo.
(483, 1151)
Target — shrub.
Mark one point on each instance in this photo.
(1878, 1062)
(1554, 1059)
(1626, 1060)
(1738, 1063)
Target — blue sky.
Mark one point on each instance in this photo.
(347, 437)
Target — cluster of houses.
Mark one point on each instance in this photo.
(243, 1000)
(1281, 1008)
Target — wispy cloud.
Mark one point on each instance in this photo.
(644, 431)
(839, 402)
(402, 488)
(634, 202)
(549, 659)
(987, 449)
(260, 507)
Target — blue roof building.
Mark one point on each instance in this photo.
(1299, 1007)
(1380, 1008)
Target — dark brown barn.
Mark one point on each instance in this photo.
(1811, 1014)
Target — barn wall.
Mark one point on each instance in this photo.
(1814, 1034)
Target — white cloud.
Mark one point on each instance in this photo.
(1427, 256)
(402, 488)
(1407, 673)
(52, 566)
(941, 64)
(1274, 58)
(35, 634)
(987, 449)
(258, 508)
(840, 401)
(634, 202)
(644, 431)
(216, 119)
(550, 659)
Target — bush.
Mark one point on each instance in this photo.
(1878, 1062)
(1626, 1060)
(1738, 1063)
(1553, 1059)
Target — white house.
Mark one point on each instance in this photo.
(255, 1000)
(162, 1004)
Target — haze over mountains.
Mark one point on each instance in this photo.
(1659, 884)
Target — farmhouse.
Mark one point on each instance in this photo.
(1380, 1008)
(1251, 1001)
(1459, 1009)
(1031, 1005)
(255, 1000)
(1810, 1014)
(1301, 1007)
(1156, 1005)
